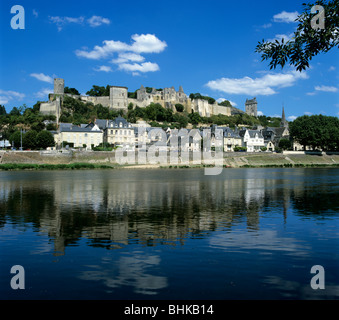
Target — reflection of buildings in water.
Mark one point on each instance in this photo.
(152, 207)
(133, 270)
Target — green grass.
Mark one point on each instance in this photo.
(72, 166)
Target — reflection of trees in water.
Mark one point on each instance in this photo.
(111, 214)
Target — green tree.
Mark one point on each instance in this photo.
(29, 139)
(15, 139)
(179, 107)
(2, 110)
(316, 131)
(307, 42)
(195, 118)
(15, 112)
(98, 91)
(71, 91)
(285, 144)
(44, 139)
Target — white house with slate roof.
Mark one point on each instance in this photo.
(253, 140)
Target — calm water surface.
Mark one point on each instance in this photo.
(170, 234)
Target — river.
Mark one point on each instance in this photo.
(170, 234)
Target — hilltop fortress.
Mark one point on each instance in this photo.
(119, 100)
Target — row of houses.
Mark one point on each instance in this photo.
(119, 132)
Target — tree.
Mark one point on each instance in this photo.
(44, 139)
(72, 91)
(179, 107)
(195, 118)
(15, 112)
(29, 139)
(2, 110)
(98, 91)
(285, 144)
(15, 139)
(317, 131)
(308, 41)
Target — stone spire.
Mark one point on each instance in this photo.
(283, 123)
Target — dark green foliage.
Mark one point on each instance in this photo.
(71, 91)
(317, 131)
(285, 144)
(2, 110)
(44, 140)
(98, 91)
(179, 107)
(199, 96)
(29, 140)
(307, 42)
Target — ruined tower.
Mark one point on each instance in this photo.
(59, 86)
(252, 107)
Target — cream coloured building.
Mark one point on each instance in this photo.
(87, 136)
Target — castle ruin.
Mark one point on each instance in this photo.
(119, 100)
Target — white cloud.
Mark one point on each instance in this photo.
(326, 89)
(308, 113)
(260, 113)
(62, 21)
(144, 67)
(291, 118)
(7, 96)
(265, 85)
(43, 93)
(311, 93)
(332, 68)
(266, 26)
(128, 56)
(96, 21)
(145, 43)
(42, 77)
(286, 17)
(104, 69)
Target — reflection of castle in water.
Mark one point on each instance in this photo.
(148, 207)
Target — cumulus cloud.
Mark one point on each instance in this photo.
(145, 43)
(7, 96)
(260, 113)
(104, 69)
(43, 93)
(265, 86)
(60, 22)
(286, 17)
(135, 67)
(96, 21)
(326, 89)
(308, 113)
(129, 54)
(291, 118)
(42, 77)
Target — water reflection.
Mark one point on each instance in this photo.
(131, 271)
(113, 209)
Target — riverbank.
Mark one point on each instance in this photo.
(35, 160)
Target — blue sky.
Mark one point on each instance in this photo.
(205, 46)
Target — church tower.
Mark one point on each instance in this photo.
(283, 122)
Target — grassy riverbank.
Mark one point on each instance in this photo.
(106, 160)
